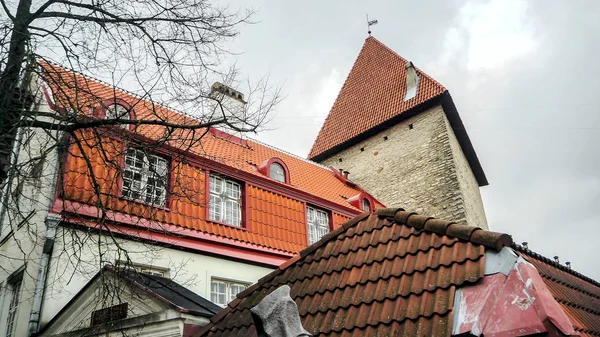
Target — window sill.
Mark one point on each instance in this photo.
(143, 203)
(228, 225)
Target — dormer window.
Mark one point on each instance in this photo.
(366, 205)
(275, 169)
(276, 172)
(116, 112)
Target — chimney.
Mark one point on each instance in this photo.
(221, 88)
(556, 259)
(568, 264)
(346, 173)
(412, 81)
(525, 243)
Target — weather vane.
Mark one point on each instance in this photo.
(370, 23)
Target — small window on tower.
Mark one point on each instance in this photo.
(412, 81)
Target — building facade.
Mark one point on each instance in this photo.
(210, 210)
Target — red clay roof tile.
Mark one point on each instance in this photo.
(578, 295)
(274, 220)
(377, 277)
(372, 94)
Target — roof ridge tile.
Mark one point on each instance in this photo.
(386, 258)
(443, 227)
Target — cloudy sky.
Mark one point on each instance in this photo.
(524, 76)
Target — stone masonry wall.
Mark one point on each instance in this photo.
(473, 204)
(417, 165)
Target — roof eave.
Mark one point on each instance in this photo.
(377, 129)
(463, 138)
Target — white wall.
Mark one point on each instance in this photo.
(76, 259)
(23, 228)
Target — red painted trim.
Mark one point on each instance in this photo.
(265, 168)
(49, 100)
(183, 241)
(256, 180)
(306, 223)
(173, 232)
(245, 206)
(66, 162)
(356, 201)
(228, 137)
(207, 195)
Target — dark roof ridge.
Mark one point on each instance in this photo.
(443, 227)
(553, 263)
(167, 283)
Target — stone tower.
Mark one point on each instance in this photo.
(398, 133)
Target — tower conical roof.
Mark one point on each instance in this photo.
(372, 94)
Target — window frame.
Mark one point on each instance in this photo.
(242, 200)
(100, 112)
(13, 288)
(228, 283)
(328, 216)
(145, 269)
(368, 202)
(276, 164)
(168, 176)
(265, 169)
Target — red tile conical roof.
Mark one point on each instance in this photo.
(372, 94)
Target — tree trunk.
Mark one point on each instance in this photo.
(11, 95)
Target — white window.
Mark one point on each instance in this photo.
(225, 201)
(143, 268)
(154, 272)
(318, 224)
(117, 111)
(13, 290)
(366, 205)
(145, 177)
(222, 292)
(277, 172)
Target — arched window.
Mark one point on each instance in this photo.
(117, 111)
(366, 205)
(277, 172)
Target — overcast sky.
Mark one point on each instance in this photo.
(524, 76)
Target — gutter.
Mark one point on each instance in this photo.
(52, 221)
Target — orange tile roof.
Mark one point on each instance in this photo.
(578, 295)
(387, 273)
(274, 220)
(372, 94)
(305, 175)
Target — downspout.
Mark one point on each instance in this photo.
(52, 221)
